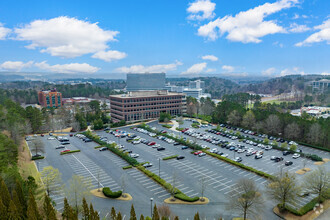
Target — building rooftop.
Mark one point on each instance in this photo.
(137, 94)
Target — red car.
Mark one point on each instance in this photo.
(42, 135)
(63, 151)
(198, 152)
(71, 135)
(151, 143)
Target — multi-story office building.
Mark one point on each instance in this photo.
(142, 105)
(50, 98)
(145, 81)
(321, 86)
(197, 84)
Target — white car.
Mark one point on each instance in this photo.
(295, 156)
(50, 138)
(224, 155)
(134, 155)
(214, 150)
(201, 154)
(273, 157)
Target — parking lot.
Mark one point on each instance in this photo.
(186, 174)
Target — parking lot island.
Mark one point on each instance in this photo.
(172, 200)
(99, 193)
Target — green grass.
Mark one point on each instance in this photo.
(98, 147)
(167, 126)
(70, 152)
(127, 167)
(170, 157)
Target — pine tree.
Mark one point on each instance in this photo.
(155, 214)
(176, 218)
(141, 217)
(196, 217)
(66, 210)
(17, 204)
(85, 214)
(32, 210)
(49, 211)
(113, 214)
(4, 194)
(133, 215)
(119, 217)
(12, 213)
(3, 210)
(21, 197)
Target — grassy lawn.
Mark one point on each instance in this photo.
(275, 101)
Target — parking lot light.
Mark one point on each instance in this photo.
(151, 199)
(159, 167)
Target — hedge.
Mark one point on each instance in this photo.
(127, 167)
(177, 193)
(167, 126)
(186, 198)
(37, 158)
(170, 157)
(179, 129)
(98, 147)
(112, 148)
(195, 125)
(108, 193)
(70, 152)
(258, 172)
(306, 208)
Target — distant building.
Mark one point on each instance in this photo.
(50, 98)
(142, 105)
(145, 81)
(321, 86)
(198, 84)
(76, 100)
(195, 89)
(315, 111)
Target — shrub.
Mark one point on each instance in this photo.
(170, 157)
(127, 167)
(314, 157)
(37, 158)
(186, 198)
(195, 125)
(179, 129)
(70, 152)
(98, 147)
(167, 126)
(108, 193)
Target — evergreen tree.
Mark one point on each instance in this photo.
(4, 194)
(141, 217)
(93, 215)
(49, 211)
(32, 210)
(21, 197)
(3, 210)
(12, 213)
(196, 217)
(176, 218)
(85, 213)
(113, 214)
(119, 217)
(66, 210)
(133, 215)
(17, 204)
(155, 214)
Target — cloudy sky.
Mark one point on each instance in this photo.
(236, 37)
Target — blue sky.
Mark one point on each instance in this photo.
(189, 38)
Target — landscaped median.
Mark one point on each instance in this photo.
(70, 152)
(182, 198)
(106, 193)
(98, 147)
(170, 157)
(112, 148)
(37, 158)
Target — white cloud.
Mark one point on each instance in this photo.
(247, 26)
(210, 57)
(67, 68)
(65, 37)
(201, 10)
(110, 55)
(15, 65)
(269, 71)
(296, 16)
(322, 35)
(296, 28)
(325, 74)
(195, 69)
(149, 69)
(210, 70)
(228, 68)
(3, 32)
(293, 71)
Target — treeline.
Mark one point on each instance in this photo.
(265, 118)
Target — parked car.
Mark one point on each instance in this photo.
(67, 150)
(238, 159)
(60, 147)
(258, 156)
(87, 140)
(160, 148)
(288, 163)
(286, 153)
(201, 154)
(295, 156)
(71, 135)
(198, 152)
(51, 138)
(278, 159)
(151, 143)
(180, 157)
(65, 142)
(134, 155)
(184, 147)
(103, 149)
(147, 165)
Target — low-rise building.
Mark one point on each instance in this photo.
(142, 105)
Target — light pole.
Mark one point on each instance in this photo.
(159, 167)
(151, 199)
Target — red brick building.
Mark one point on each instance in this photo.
(141, 105)
(50, 98)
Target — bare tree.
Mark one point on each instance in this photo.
(75, 125)
(315, 133)
(174, 183)
(246, 198)
(234, 118)
(164, 211)
(123, 184)
(37, 146)
(273, 124)
(52, 180)
(317, 182)
(292, 131)
(283, 189)
(203, 185)
(249, 119)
